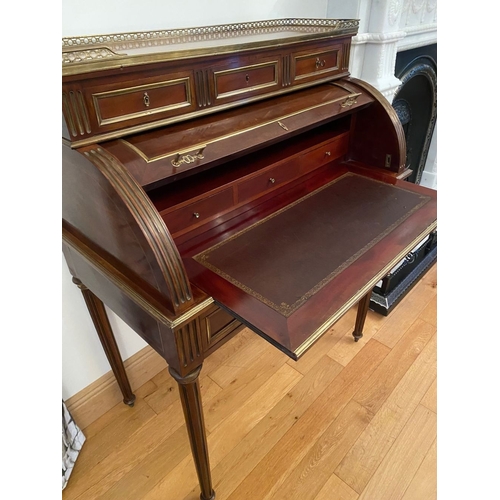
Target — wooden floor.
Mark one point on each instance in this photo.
(347, 421)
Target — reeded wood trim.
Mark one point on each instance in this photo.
(189, 340)
(189, 390)
(150, 222)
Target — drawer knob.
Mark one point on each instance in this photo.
(146, 99)
(196, 215)
(272, 180)
(327, 153)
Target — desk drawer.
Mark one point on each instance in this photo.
(218, 324)
(199, 211)
(267, 180)
(316, 63)
(128, 103)
(326, 152)
(246, 77)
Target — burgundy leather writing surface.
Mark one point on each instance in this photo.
(286, 258)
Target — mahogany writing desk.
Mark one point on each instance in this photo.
(224, 176)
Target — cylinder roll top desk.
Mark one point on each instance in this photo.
(228, 176)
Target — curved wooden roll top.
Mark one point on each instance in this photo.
(107, 208)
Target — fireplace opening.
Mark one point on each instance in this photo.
(415, 103)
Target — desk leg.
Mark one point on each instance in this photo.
(361, 316)
(189, 389)
(108, 341)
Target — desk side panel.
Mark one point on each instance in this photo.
(104, 204)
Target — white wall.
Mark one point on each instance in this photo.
(97, 17)
(83, 359)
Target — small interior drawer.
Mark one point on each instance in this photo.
(328, 151)
(267, 180)
(181, 218)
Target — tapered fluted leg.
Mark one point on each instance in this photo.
(189, 389)
(108, 341)
(361, 316)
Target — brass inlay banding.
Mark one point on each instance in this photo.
(129, 289)
(232, 134)
(138, 88)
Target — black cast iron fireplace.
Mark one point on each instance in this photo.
(415, 103)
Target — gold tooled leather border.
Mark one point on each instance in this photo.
(287, 309)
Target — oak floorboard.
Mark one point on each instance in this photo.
(343, 326)
(424, 482)
(345, 349)
(399, 466)
(429, 312)
(133, 446)
(268, 476)
(430, 397)
(114, 435)
(242, 386)
(306, 480)
(336, 489)
(397, 363)
(183, 478)
(233, 469)
(367, 453)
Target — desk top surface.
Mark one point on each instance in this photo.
(290, 272)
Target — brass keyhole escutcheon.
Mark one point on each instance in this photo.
(146, 99)
(247, 78)
(320, 63)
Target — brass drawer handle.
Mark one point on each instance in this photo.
(327, 153)
(272, 180)
(350, 100)
(146, 99)
(196, 215)
(180, 158)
